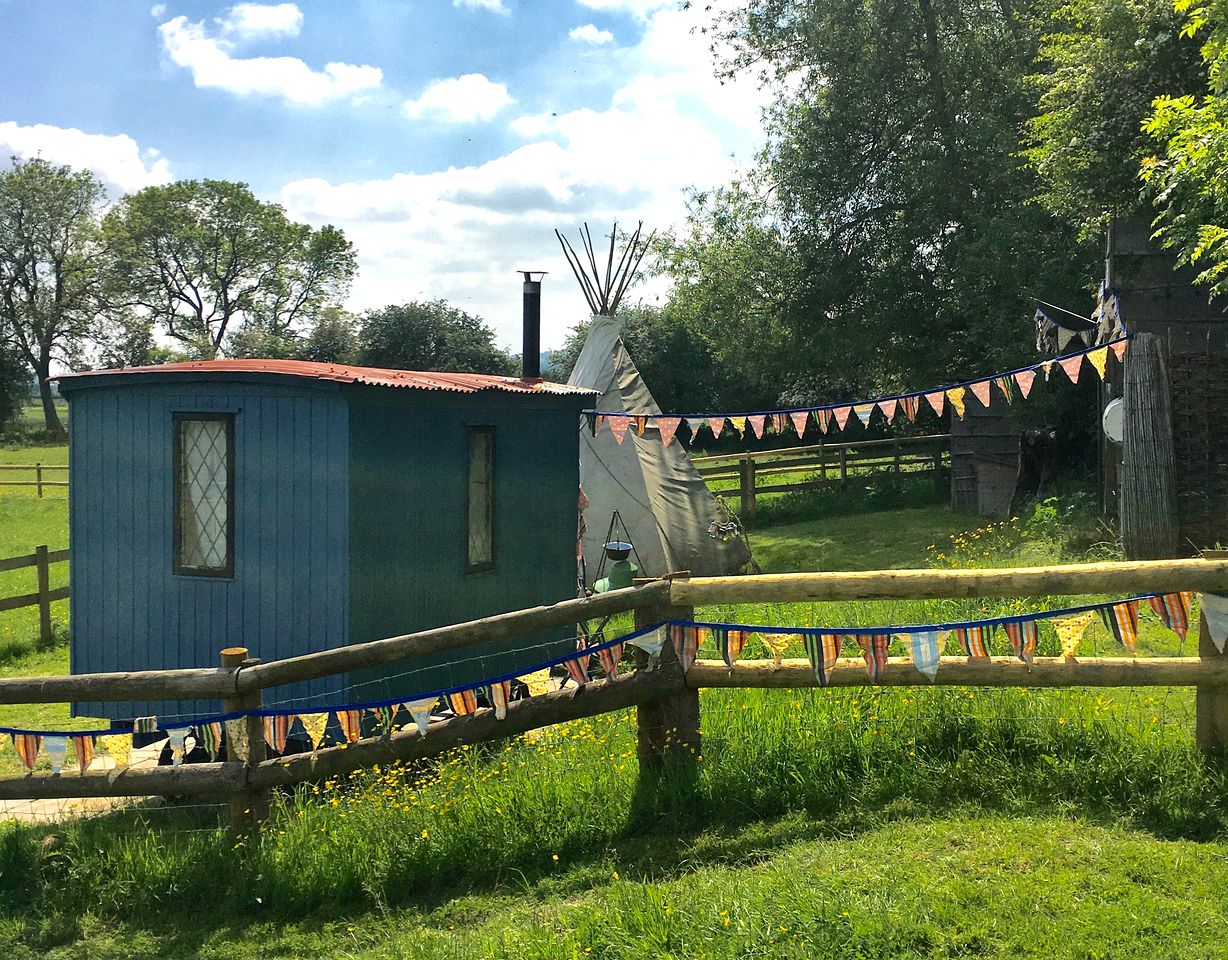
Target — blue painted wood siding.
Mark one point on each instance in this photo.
(290, 591)
(408, 527)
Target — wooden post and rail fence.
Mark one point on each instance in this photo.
(667, 701)
(40, 482)
(42, 559)
(833, 462)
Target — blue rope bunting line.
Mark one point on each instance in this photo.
(860, 403)
(362, 705)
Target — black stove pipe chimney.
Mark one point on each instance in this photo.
(531, 354)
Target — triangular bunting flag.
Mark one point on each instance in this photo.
(780, 423)
(83, 747)
(864, 411)
(500, 694)
(1023, 635)
(1023, 380)
(841, 415)
(277, 731)
(1214, 608)
(909, 406)
(1119, 349)
(888, 408)
(145, 725)
(609, 658)
(777, 644)
(937, 399)
(694, 424)
(1004, 384)
(383, 718)
(56, 746)
(463, 702)
(577, 667)
(686, 641)
(739, 424)
(799, 418)
(651, 643)
(26, 745)
(210, 737)
(874, 651)
(823, 650)
(592, 423)
(641, 423)
(117, 746)
(618, 427)
(822, 419)
(974, 641)
(1099, 359)
(1071, 366)
(980, 390)
(756, 422)
(1122, 621)
(1070, 631)
(176, 737)
(926, 651)
(314, 725)
(420, 711)
(956, 398)
(351, 724)
(236, 739)
(730, 643)
(716, 424)
(1174, 610)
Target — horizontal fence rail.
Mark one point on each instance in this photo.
(41, 558)
(37, 469)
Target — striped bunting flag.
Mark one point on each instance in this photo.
(500, 694)
(463, 703)
(145, 725)
(823, 650)
(83, 747)
(926, 651)
(26, 745)
(176, 737)
(874, 651)
(210, 737)
(1214, 608)
(609, 659)
(686, 641)
(909, 406)
(864, 411)
(974, 641)
(420, 710)
(1122, 621)
(57, 749)
(1070, 631)
(383, 718)
(577, 666)
(351, 724)
(1174, 610)
(641, 424)
(729, 643)
(1023, 635)
(277, 731)
(780, 422)
(822, 419)
(1004, 384)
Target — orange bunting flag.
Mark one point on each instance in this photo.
(980, 390)
(1100, 360)
(874, 651)
(668, 426)
(1023, 380)
(463, 703)
(822, 419)
(1072, 365)
(780, 423)
(1004, 384)
(500, 694)
(909, 406)
(974, 641)
(27, 745)
(756, 423)
(799, 418)
(1070, 631)
(717, 424)
(609, 658)
(888, 408)
(1122, 621)
(618, 427)
(351, 724)
(1174, 611)
(937, 399)
(1119, 349)
(641, 423)
(276, 731)
(83, 747)
(1023, 635)
(686, 641)
(956, 396)
(729, 644)
(739, 424)
(841, 415)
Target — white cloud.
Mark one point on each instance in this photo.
(251, 21)
(209, 59)
(461, 233)
(494, 6)
(636, 8)
(117, 160)
(158, 10)
(589, 33)
(467, 99)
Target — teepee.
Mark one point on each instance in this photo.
(665, 507)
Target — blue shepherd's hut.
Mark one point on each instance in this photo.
(290, 507)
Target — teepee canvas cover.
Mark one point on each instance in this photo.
(664, 503)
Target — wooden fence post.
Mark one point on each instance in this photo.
(248, 808)
(1210, 701)
(844, 467)
(44, 595)
(38, 478)
(747, 492)
(668, 728)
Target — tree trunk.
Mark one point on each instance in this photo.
(51, 416)
(1149, 528)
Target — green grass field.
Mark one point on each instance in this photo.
(867, 823)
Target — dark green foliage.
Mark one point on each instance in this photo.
(431, 335)
(14, 386)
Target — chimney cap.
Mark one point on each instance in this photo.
(528, 275)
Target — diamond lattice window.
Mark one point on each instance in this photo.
(204, 458)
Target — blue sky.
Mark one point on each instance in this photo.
(447, 138)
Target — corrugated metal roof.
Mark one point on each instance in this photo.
(341, 373)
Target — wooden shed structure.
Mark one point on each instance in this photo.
(291, 507)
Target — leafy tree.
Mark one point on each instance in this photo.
(431, 335)
(1104, 62)
(205, 257)
(333, 339)
(14, 385)
(1189, 179)
(49, 248)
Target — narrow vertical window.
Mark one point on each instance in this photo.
(481, 510)
(204, 494)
